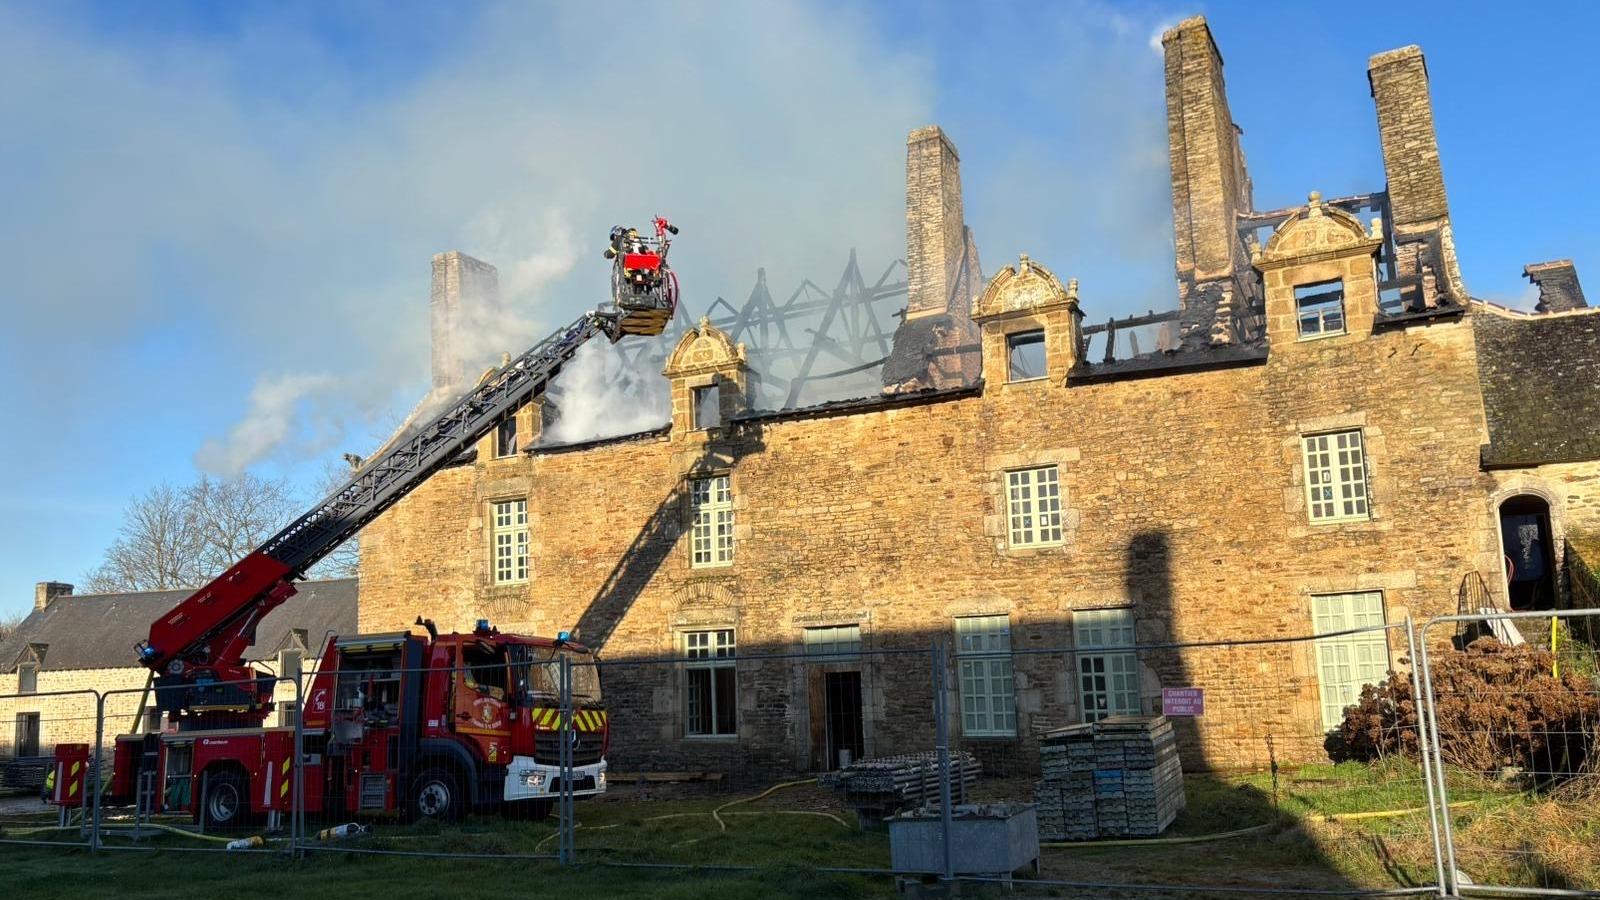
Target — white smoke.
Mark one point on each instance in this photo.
(270, 421)
(601, 395)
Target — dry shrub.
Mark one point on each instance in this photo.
(1498, 707)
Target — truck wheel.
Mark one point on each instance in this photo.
(436, 796)
(224, 803)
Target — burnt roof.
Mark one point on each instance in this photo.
(1540, 376)
(98, 631)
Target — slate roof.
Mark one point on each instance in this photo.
(98, 631)
(1540, 376)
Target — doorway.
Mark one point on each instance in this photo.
(842, 717)
(1530, 559)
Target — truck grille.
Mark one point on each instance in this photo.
(588, 750)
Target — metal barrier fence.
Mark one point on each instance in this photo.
(40, 720)
(1474, 769)
(1513, 722)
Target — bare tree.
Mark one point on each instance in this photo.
(9, 623)
(182, 537)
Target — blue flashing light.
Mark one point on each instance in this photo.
(147, 652)
(483, 625)
(563, 636)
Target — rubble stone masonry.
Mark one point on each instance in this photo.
(1183, 496)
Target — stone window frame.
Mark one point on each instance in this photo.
(1344, 314)
(965, 658)
(1046, 530)
(698, 397)
(1335, 470)
(692, 510)
(729, 662)
(495, 529)
(1322, 646)
(1106, 653)
(1044, 350)
(1021, 324)
(505, 428)
(997, 524)
(1381, 486)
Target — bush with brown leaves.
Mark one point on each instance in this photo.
(1498, 708)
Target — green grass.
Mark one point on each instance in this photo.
(1314, 837)
(75, 875)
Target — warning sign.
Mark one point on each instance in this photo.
(1183, 701)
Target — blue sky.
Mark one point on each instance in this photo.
(218, 217)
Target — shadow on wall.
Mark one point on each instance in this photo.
(659, 534)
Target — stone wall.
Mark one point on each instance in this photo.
(1184, 499)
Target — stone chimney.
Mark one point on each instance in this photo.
(1419, 214)
(1399, 80)
(936, 346)
(1210, 186)
(464, 290)
(48, 592)
(1557, 280)
(935, 226)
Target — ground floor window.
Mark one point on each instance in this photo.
(988, 686)
(1108, 678)
(711, 698)
(1346, 662)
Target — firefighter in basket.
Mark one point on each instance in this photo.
(640, 277)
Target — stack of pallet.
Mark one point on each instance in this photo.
(1119, 777)
(879, 788)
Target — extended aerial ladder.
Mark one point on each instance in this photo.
(196, 651)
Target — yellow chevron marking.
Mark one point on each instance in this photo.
(73, 791)
(283, 790)
(76, 767)
(284, 769)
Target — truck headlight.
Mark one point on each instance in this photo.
(532, 778)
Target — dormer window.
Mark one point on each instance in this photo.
(1025, 355)
(505, 438)
(1319, 308)
(707, 407)
(28, 678)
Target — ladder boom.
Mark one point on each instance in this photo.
(204, 638)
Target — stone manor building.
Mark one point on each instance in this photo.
(1328, 432)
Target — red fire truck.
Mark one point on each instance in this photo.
(391, 723)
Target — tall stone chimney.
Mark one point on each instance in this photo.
(1557, 281)
(1210, 186)
(1399, 80)
(935, 226)
(937, 345)
(464, 289)
(47, 592)
(1419, 214)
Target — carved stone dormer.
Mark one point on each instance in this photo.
(1319, 270)
(1023, 299)
(710, 379)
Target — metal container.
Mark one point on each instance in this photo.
(985, 839)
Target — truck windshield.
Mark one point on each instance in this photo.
(544, 674)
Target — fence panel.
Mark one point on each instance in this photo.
(1514, 711)
(165, 787)
(32, 726)
(736, 760)
(1251, 763)
(457, 759)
